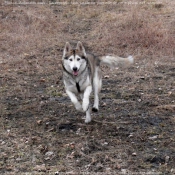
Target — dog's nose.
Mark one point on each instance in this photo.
(75, 69)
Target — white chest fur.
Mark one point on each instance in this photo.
(77, 85)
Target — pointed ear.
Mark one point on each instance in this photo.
(67, 48)
(80, 48)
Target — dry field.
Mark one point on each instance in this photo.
(134, 131)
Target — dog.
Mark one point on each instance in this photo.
(82, 75)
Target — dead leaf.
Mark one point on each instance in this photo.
(42, 80)
(39, 122)
(43, 148)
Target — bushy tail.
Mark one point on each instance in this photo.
(115, 61)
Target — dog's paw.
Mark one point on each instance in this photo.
(85, 105)
(94, 109)
(88, 119)
(78, 107)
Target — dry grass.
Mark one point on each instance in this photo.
(139, 30)
(29, 30)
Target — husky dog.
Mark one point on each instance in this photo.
(82, 74)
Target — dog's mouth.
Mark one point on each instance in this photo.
(75, 73)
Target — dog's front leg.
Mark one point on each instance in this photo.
(88, 116)
(86, 95)
(74, 100)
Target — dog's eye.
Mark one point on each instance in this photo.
(78, 59)
(70, 59)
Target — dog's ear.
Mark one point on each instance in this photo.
(80, 48)
(67, 49)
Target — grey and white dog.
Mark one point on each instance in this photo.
(82, 74)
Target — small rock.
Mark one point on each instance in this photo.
(134, 154)
(153, 137)
(130, 135)
(167, 158)
(105, 143)
(106, 76)
(142, 78)
(49, 153)
(47, 123)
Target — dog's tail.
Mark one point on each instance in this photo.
(116, 61)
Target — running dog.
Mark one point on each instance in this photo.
(82, 74)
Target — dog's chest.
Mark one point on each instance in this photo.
(77, 85)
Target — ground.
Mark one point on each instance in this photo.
(133, 132)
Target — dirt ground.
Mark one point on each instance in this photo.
(42, 133)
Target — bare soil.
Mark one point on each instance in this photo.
(42, 133)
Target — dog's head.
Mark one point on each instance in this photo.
(74, 60)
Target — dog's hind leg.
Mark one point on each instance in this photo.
(97, 83)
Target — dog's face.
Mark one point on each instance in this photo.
(74, 60)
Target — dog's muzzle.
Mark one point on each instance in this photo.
(75, 71)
